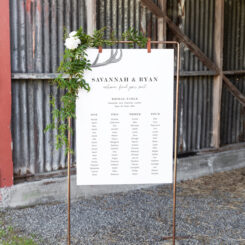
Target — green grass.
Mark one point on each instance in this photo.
(8, 236)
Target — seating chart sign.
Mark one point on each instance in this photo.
(124, 125)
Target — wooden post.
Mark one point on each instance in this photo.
(162, 26)
(91, 16)
(6, 163)
(218, 58)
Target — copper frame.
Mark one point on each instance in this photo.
(173, 237)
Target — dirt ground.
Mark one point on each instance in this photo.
(232, 182)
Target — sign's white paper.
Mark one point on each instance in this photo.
(124, 125)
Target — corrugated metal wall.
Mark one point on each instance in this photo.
(196, 20)
(37, 47)
(121, 15)
(196, 92)
(233, 114)
(37, 29)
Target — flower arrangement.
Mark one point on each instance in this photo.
(71, 77)
(72, 41)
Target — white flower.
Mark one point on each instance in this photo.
(72, 34)
(72, 42)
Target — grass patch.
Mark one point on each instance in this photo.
(8, 236)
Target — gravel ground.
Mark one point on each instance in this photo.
(210, 210)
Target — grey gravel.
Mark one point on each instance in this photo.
(207, 213)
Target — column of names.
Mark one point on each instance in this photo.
(155, 126)
(114, 144)
(94, 165)
(134, 146)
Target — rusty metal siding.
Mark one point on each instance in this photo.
(233, 114)
(37, 29)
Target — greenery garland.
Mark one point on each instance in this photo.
(71, 77)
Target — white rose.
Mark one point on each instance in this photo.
(72, 34)
(72, 42)
(77, 40)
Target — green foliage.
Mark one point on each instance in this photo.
(73, 66)
(135, 37)
(9, 237)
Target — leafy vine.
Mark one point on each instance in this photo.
(71, 78)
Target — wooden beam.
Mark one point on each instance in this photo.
(51, 76)
(36, 76)
(235, 72)
(153, 8)
(41, 176)
(217, 81)
(191, 45)
(180, 35)
(161, 23)
(194, 48)
(91, 16)
(206, 61)
(197, 73)
(234, 91)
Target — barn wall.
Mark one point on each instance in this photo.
(196, 20)
(37, 28)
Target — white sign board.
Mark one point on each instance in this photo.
(124, 125)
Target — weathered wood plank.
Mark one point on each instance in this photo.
(217, 81)
(191, 45)
(91, 16)
(161, 23)
(180, 35)
(234, 91)
(153, 8)
(50, 76)
(236, 72)
(197, 73)
(35, 76)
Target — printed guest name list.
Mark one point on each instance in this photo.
(124, 125)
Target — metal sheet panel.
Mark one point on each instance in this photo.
(120, 15)
(37, 30)
(196, 20)
(195, 114)
(33, 150)
(37, 46)
(233, 114)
